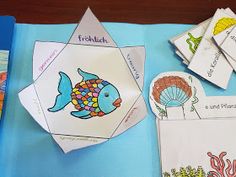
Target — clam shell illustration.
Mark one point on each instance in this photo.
(223, 24)
(171, 92)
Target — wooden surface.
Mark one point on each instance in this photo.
(136, 11)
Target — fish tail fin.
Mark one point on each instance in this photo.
(64, 96)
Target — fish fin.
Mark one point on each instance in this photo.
(87, 76)
(86, 117)
(84, 114)
(64, 89)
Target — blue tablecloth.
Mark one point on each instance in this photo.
(26, 150)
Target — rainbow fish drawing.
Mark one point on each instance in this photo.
(91, 97)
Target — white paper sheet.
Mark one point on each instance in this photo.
(186, 143)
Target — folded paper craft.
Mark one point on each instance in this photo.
(88, 90)
(195, 131)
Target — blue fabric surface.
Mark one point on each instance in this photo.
(26, 150)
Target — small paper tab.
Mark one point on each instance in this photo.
(91, 32)
(135, 58)
(219, 39)
(44, 54)
(134, 116)
(28, 98)
(69, 143)
(229, 44)
(175, 113)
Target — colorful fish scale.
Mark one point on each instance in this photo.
(85, 96)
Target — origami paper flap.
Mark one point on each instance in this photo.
(91, 32)
(135, 115)
(135, 58)
(29, 99)
(178, 96)
(69, 143)
(219, 39)
(44, 53)
(229, 11)
(229, 44)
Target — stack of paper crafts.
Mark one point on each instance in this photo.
(208, 48)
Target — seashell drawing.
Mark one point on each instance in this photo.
(223, 24)
(175, 96)
(171, 91)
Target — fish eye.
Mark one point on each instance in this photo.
(106, 94)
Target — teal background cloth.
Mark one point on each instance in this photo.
(26, 150)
